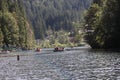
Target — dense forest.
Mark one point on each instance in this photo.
(102, 24)
(15, 30)
(54, 14)
(56, 22)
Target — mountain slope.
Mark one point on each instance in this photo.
(54, 14)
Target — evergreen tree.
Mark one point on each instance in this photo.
(14, 28)
(58, 14)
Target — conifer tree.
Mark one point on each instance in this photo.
(14, 28)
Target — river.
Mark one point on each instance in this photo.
(71, 64)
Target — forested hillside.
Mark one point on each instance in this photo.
(60, 22)
(14, 28)
(54, 14)
(103, 24)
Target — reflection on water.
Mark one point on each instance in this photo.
(71, 64)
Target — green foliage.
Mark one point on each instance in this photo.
(14, 28)
(91, 20)
(56, 14)
(56, 39)
(1, 37)
(104, 22)
(9, 28)
(60, 39)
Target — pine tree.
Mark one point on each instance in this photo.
(14, 28)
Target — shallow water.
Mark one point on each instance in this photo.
(72, 64)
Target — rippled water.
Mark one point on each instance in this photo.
(75, 64)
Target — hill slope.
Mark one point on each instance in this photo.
(54, 14)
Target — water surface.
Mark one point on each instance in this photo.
(71, 64)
